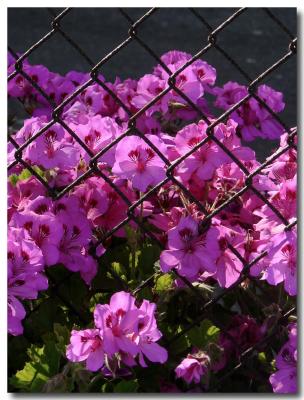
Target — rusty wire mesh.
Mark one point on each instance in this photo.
(133, 34)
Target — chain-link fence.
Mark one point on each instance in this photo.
(134, 35)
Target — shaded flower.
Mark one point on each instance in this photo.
(192, 368)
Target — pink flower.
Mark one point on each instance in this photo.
(88, 269)
(76, 237)
(86, 345)
(51, 150)
(192, 368)
(118, 322)
(77, 78)
(228, 265)
(125, 91)
(20, 195)
(77, 113)
(45, 230)
(25, 276)
(20, 86)
(284, 380)
(284, 167)
(280, 264)
(92, 198)
(136, 161)
(30, 126)
(148, 87)
(189, 252)
(25, 266)
(253, 118)
(15, 315)
(58, 88)
(97, 133)
(198, 76)
(229, 94)
(170, 58)
(103, 205)
(148, 335)
(204, 161)
(284, 199)
(123, 330)
(98, 100)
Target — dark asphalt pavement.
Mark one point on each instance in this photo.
(253, 40)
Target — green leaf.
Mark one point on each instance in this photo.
(62, 334)
(42, 319)
(163, 282)
(107, 387)
(262, 357)
(29, 379)
(13, 179)
(119, 270)
(203, 334)
(181, 344)
(74, 290)
(147, 257)
(132, 236)
(43, 364)
(25, 174)
(17, 356)
(145, 294)
(47, 357)
(126, 387)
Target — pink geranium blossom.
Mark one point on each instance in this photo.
(44, 230)
(15, 314)
(118, 322)
(252, 116)
(22, 193)
(136, 161)
(228, 265)
(25, 276)
(86, 345)
(284, 199)
(280, 265)
(148, 335)
(97, 133)
(204, 161)
(25, 265)
(50, 149)
(189, 252)
(122, 332)
(284, 380)
(192, 368)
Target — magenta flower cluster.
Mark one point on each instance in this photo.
(43, 232)
(284, 380)
(122, 332)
